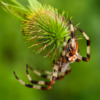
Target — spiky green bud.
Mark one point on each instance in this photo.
(43, 27)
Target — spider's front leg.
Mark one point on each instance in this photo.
(72, 34)
(88, 47)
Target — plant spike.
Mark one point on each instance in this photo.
(43, 27)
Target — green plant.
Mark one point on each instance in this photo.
(42, 26)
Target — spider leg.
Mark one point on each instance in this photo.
(38, 73)
(72, 33)
(78, 60)
(38, 83)
(28, 85)
(32, 81)
(61, 75)
(88, 47)
(44, 71)
(68, 70)
(64, 51)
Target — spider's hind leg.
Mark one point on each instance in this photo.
(19, 79)
(47, 74)
(39, 84)
(39, 74)
(29, 85)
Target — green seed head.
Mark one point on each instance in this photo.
(43, 27)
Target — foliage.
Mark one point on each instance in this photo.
(43, 27)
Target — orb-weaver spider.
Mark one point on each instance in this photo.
(60, 67)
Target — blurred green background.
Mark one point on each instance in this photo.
(83, 83)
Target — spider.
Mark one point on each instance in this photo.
(60, 67)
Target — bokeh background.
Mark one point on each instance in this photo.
(84, 81)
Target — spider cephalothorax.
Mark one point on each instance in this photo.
(60, 67)
(71, 52)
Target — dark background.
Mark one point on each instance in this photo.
(84, 81)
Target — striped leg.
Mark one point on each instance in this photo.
(64, 51)
(68, 70)
(44, 71)
(35, 82)
(39, 74)
(38, 83)
(27, 85)
(61, 75)
(78, 60)
(88, 47)
(72, 33)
